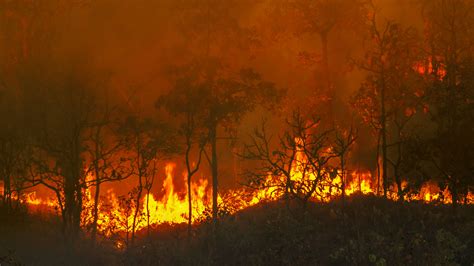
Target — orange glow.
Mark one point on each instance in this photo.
(171, 208)
(116, 213)
(32, 199)
(427, 68)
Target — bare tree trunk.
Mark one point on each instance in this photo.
(69, 205)
(190, 206)
(148, 213)
(343, 178)
(149, 186)
(73, 203)
(288, 192)
(213, 139)
(399, 185)
(383, 117)
(378, 163)
(97, 184)
(96, 209)
(140, 185)
(137, 208)
(73, 190)
(77, 209)
(191, 171)
(396, 167)
(189, 176)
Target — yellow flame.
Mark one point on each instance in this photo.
(116, 214)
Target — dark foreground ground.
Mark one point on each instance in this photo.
(367, 231)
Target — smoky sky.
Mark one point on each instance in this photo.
(131, 44)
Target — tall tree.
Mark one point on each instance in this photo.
(319, 20)
(146, 141)
(343, 142)
(63, 118)
(449, 97)
(225, 97)
(26, 29)
(389, 61)
(218, 38)
(13, 146)
(322, 17)
(105, 149)
(184, 102)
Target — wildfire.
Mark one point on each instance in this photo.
(430, 192)
(32, 199)
(116, 214)
(361, 182)
(428, 68)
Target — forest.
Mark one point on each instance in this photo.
(237, 132)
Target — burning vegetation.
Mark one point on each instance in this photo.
(237, 132)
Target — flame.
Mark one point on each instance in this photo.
(172, 208)
(361, 182)
(32, 199)
(116, 213)
(426, 68)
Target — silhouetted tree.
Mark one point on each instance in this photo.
(63, 118)
(184, 102)
(389, 86)
(27, 29)
(343, 142)
(215, 32)
(147, 141)
(449, 97)
(297, 165)
(106, 153)
(13, 146)
(320, 19)
(225, 99)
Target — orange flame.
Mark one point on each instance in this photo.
(116, 213)
(427, 68)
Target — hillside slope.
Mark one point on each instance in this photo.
(366, 230)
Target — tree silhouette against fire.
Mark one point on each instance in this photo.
(217, 109)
